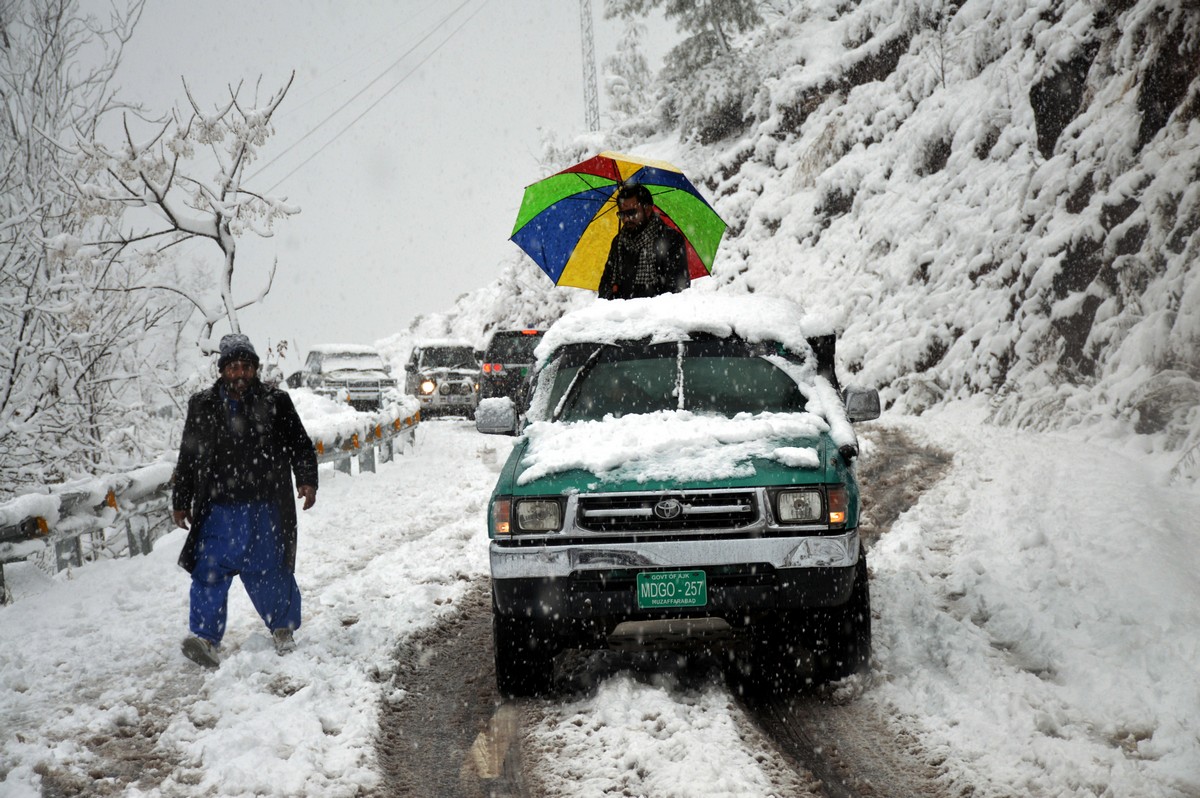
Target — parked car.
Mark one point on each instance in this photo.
(444, 375)
(508, 364)
(685, 477)
(352, 373)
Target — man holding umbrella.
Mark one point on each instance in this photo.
(647, 257)
(664, 233)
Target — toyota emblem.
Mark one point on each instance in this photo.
(668, 509)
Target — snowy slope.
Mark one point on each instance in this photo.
(989, 197)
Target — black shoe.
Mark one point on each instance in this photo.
(201, 652)
(284, 642)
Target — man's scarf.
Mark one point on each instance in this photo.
(643, 244)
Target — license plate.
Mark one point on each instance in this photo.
(672, 589)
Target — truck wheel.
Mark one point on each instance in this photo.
(845, 645)
(524, 657)
(777, 662)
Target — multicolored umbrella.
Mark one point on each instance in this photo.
(568, 220)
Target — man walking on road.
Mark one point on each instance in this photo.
(242, 442)
(647, 258)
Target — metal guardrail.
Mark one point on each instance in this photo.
(124, 514)
(375, 443)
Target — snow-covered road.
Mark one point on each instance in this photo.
(1037, 629)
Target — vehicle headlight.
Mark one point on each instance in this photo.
(428, 386)
(799, 506)
(538, 515)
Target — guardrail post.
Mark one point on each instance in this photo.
(4, 598)
(386, 451)
(342, 464)
(140, 540)
(366, 460)
(68, 552)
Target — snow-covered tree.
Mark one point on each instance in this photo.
(709, 84)
(632, 101)
(169, 177)
(627, 74)
(81, 360)
(702, 19)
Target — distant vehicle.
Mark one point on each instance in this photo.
(444, 375)
(508, 364)
(684, 477)
(352, 373)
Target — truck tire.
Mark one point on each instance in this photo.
(844, 647)
(524, 657)
(777, 662)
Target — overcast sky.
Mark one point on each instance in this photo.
(412, 205)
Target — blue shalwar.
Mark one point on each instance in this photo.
(242, 539)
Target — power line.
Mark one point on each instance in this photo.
(363, 90)
(390, 35)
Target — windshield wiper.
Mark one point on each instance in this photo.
(573, 388)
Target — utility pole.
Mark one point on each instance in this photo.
(591, 99)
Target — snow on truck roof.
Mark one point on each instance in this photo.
(344, 349)
(438, 343)
(677, 317)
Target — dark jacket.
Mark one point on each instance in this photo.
(670, 267)
(274, 446)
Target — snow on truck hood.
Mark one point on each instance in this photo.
(676, 317)
(671, 445)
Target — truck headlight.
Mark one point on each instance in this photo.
(538, 515)
(799, 506)
(428, 386)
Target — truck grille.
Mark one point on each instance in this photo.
(661, 512)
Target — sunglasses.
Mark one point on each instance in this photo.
(628, 214)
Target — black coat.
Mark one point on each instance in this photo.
(276, 445)
(670, 266)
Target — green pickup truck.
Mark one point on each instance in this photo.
(684, 477)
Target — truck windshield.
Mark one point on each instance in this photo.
(510, 347)
(716, 376)
(449, 357)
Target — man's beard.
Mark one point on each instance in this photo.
(237, 386)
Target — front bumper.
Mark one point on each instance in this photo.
(508, 383)
(550, 561)
(358, 396)
(440, 403)
(585, 592)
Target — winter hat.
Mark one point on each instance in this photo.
(236, 346)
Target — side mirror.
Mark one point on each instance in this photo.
(862, 404)
(524, 392)
(496, 416)
(293, 380)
